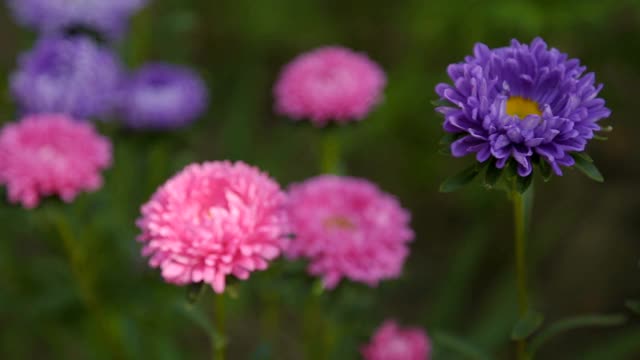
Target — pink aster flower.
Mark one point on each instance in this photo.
(212, 220)
(329, 83)
(393, 343)
(348, 228)
(45, 155)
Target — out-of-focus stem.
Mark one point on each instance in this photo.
(521, 265)
(218, 338)
(330, 161)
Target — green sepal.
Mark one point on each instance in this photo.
(449, 138)
(492, 175)
(194, 291)
(523, 183)
(601, 138)
(461, 179)
(442, 102)
(585, 164)
(545, 170)
(527, 325)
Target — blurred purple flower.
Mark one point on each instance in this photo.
(162, 96)
(107, 17)
(70, 76)
(522, 102)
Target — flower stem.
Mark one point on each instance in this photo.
(330, 161)
(218, 340)
(82, 276)
(521, 265)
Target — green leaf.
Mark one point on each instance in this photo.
(523, 183)
(545, 171)
(527, 325)
(633, 305)
(461, 179)
(585, 164)
(492, 175)
(459, 346)
(601, 138)
(576, 322)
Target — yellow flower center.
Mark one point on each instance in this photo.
(522, 107)
(338, 222)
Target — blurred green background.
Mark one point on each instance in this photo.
(584, 245)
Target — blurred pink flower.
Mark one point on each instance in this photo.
(329, 83)
(212, 220)
(45, 155)
(393, 343)
(348, 228)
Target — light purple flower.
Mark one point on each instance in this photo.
(521, 102)
(162, 96)
(107, 17)
(71, 76)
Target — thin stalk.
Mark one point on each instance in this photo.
(218, 339)
(521, 265)
(84, 282)
(330, 161)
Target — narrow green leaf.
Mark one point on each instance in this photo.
(459, 346)
(545, 171)
(523, 183)
(576, 322)
(601, 138)
(633, 305)
(584, 156)
(587, 167)
(492, 175)
(527, 325)
(461, 179)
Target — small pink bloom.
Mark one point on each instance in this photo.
(45, 155)
(348, 228)
(393, 343)
(329, 83)
(212, 220)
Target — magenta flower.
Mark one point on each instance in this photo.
(46, 155)
(348, 228)
(329, 83)
(393, 343)
(212, 220)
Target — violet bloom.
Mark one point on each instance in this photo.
(348, 228)
(390, 342)
(109, 18)
(71, 76)
(529, 103)
(329, 84)
(162, 96)
(213, 220)
(46, 155)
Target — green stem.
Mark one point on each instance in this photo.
(83, 278)
(521, 265)
(218, 340)
(330, 161)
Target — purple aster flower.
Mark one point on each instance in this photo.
(162, 96)
(107, 17)
(71, 76)
(523, 102)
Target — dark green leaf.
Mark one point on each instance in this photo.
(461, 179)
(492, 175)
(584, 156)
(601, 138)
(523, 183)
(527, 325)
(459, 346)
(587, 167)
(573, 323)
(633, 305)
